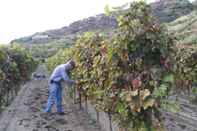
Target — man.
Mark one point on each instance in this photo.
(59, 74)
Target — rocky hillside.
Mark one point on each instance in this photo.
(169, 10)
(165, 10)
(68, 33)
(194, 3)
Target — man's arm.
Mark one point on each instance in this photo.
(66, 78)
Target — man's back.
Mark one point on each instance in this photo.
(61, 73)
(57, 72)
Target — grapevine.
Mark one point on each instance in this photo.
(16, 66)
(129, 75)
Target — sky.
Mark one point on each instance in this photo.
(20, 18)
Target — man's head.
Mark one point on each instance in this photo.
(72, 64)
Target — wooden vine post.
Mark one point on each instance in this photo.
(110, 121)
(86, 103)
(80, 98)
(97, 116)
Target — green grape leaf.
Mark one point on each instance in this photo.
(169, 78)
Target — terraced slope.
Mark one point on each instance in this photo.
(185, 28)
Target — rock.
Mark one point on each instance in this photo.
(51, 128)
(35, 130)
(61, 121)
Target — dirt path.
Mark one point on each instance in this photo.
(26, 112)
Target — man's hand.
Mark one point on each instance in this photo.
(77, 82)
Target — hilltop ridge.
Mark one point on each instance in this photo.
(164, 10)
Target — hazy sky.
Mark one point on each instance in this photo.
(24, 17)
